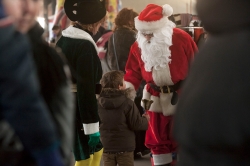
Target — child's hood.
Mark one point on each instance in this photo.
(113, 98)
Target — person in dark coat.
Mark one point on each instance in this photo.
(119, 118)
(54, 82)
(211, 122)
(81, 53)
(22, 107)
(54, 79)
(124, 36)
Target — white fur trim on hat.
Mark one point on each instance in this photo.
(167, 10)
(151, 26)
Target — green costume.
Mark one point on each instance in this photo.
(81, 53)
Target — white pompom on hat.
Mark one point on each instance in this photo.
(153, 17)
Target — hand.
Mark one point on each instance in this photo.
(94, 139)
(146, 116)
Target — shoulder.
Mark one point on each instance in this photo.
(135, 46)
(181, 38)
(77, 35)
(181, 34)
(134, 49)
(71, 40)
(75, 44)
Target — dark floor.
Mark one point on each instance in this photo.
(143, 161)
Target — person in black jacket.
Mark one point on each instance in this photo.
(211, 122)
(81, 52)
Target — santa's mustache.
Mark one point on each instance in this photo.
(153, 47)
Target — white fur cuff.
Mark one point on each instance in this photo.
(161, 159)
(90, 128)
(133, 92)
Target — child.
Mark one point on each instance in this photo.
(119, 118)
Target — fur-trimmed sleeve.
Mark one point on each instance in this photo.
(133, 70)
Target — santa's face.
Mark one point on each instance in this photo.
(148, 36)
(154, 50)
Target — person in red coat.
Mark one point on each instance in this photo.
(161, 56)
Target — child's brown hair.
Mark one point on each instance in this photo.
(112, 79)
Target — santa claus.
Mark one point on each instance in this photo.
(161, 56)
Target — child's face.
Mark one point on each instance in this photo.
(123, 86)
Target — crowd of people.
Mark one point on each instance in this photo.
(142, 87)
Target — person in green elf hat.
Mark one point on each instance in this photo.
(82, 55)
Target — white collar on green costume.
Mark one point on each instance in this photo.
(76, 33)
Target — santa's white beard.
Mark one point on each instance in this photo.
(156, 53)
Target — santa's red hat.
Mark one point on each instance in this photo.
(153, 17)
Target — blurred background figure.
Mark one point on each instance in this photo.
(212, 123)
(81, 53)
(28, 134)
(57, 33)
(102, 45)
(202, 39)
(101, 31)
(121, 40)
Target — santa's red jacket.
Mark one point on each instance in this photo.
(182, 53)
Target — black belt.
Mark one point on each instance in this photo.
(162, 89)
(168, 89)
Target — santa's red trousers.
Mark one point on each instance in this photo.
(159, 136)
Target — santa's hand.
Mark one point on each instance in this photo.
(94, 139)
(146, 116)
